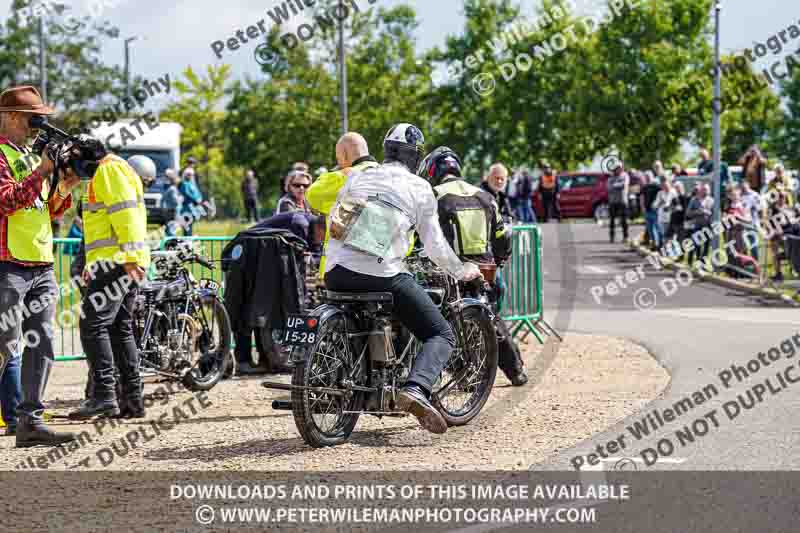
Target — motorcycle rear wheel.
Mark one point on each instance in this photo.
(320, 417)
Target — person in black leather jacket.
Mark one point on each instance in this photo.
(472, 224)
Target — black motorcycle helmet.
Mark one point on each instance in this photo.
(440, 163)
(405, 144)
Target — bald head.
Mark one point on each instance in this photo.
(351, 147)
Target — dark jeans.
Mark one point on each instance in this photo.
(549, 205)
(251, 210)
(107, 334)
(699, 251)
(618, 211)
(415, 310)
(10, 392)
(524, 211)
(187, 218)
(500, 289)
(653, 228)
(34, 292)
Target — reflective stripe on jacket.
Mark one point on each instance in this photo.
(114, 215)
(30, 235)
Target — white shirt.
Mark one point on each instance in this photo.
(752, 203)
(663, 203)
(415, 197)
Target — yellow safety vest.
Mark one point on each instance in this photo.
(114, 215)
(321, 196)
(30, 237)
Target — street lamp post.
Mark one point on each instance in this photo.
(42, 60)
(342, 73)
(717, 111)
(128, 41)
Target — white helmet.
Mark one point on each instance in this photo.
(144, 167)
(406, 144)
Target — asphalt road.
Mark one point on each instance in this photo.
(696, 331)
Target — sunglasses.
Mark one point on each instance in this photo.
(301, 185)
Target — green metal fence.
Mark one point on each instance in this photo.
(523, 278)
(522, 275)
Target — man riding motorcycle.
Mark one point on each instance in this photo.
(371, 225)
(472, 224)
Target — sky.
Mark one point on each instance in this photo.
(173, 34)
(176, 33)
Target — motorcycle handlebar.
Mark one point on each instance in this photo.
(202, 262)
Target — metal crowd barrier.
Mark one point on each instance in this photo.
(522, 275)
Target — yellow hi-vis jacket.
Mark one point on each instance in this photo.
(30, 237)
(321, 196)
(114, 215)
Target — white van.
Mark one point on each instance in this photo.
(162, 144)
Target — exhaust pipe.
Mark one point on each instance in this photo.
(282, 405)
(318, 390)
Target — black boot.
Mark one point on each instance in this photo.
(131, 408)
(245, 368)
(40, 435)
(93, 408)
(518, 378)
(413, 399)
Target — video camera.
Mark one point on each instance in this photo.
(81, 153)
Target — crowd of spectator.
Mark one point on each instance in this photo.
(672, 214)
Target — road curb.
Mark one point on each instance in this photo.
(716, 280)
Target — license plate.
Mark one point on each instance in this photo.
(209, 284)
(301, 330)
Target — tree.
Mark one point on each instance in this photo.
(293, 114)
(200, 111)
(76, 76)
(787, 138)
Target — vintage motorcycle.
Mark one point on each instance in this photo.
(351, 356)
(181, 326)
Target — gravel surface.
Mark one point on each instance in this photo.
(586, 384)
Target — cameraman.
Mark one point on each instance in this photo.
(27, 279)
(115, 228)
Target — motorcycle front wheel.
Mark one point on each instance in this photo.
(213, 345)
(468, 378)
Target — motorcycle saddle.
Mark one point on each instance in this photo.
(359, 297)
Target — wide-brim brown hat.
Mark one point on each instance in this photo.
(24, 99)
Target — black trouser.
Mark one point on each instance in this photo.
(415, 310)
(549, 205)
(107, 334)
(251, 210)
(621, 211)
(509, 358)
(699, 251)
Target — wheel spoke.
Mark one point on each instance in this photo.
(469, 367)
(328, 364)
